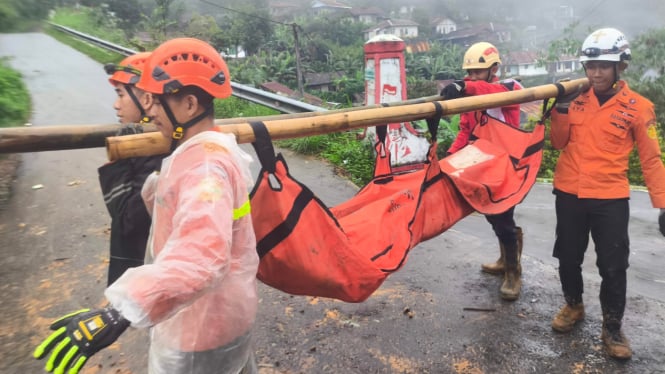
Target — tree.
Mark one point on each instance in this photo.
(164, 17)
(568, 45)
(31, 9)
(646, 75)
(8, 17)
(128, 13)
(248, 26)
(443, 61)
(202, 27)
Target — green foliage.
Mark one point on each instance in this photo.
(128, 14)
(234, 107)
(442, 61)
(310, 145)
(202, 27)
(648, 57)
(249, 27)
(163, 19)
(22, 15)
(448, 129)
(550, 155)
(14, 97)
(446, 133)
(336, 31)
(346, 88)
(352, 156)
(421, 88)
(8, 17)
(568, 45)
(92, 21)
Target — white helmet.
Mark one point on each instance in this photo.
(605, 45)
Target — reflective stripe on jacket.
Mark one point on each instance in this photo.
(596, 141)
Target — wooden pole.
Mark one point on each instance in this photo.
(49, 138)
(63, 137)
(154, 143)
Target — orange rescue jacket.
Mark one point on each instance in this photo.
(596, 141)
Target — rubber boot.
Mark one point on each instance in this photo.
(512, 276)
(615, 343)
(498, 267)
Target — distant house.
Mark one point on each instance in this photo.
(322, 81)
(522, 63)
(526, 63)
(567, 64)
(444, 25)
(329, 6)
(487, 32)
(401, 28)
(370, 16)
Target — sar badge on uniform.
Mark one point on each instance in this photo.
(652, 132)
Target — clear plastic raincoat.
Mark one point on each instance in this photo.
(197, 290)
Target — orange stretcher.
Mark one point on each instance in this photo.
(345, 252)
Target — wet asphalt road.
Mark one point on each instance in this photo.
(53, 245)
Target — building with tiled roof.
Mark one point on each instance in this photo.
(401, 28)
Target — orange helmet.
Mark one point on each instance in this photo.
(184, 62)
(129, 70)
(481, 56)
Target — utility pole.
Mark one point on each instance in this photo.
(298, 72)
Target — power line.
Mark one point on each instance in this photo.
(294, 28)
(245, 14)
(593, 8)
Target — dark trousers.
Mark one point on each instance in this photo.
(504, 227)
(607, 221)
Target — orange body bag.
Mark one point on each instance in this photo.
(347, 251)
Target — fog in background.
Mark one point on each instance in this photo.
(542, 20)
(549, 16)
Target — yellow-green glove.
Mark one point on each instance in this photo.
(78, 336)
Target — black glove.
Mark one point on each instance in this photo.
(563, 100)
(453, 90)
(661, 221)
(130, 129)
(78, 336)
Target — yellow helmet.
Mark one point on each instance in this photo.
(481, 56)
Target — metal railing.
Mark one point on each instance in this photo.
(277, 102)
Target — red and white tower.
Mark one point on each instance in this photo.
(385, 82)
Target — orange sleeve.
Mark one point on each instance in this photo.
(646, 138)
(559, 130)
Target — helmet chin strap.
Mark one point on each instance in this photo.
(616, 75)
(130, 92)
(179, 129)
